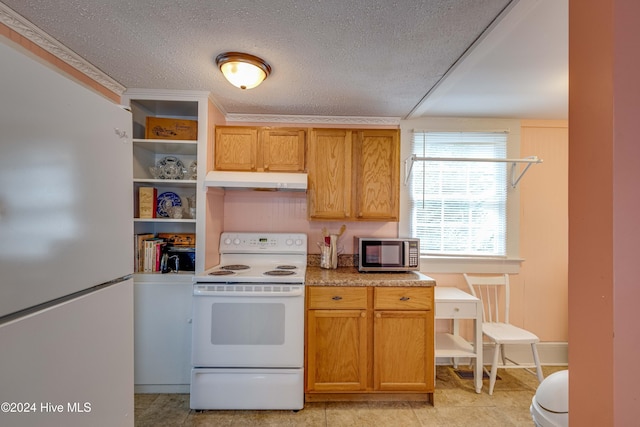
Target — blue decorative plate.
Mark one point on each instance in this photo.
(165, 201)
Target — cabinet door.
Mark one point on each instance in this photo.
(282, 150)
(236, 148)
(377, 175)
(162, 333)
(329, 169)
(336, 350)
(403, 351)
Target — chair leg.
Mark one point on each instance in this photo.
(536, 359)
(503, 354)
(494, 368)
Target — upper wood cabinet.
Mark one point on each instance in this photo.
(236, 148)
(256, 149)
(353, 174)
(329, 174)
(377, 174)
(282, 150)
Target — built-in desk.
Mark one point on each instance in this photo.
(453, 303)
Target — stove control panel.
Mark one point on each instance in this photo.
(263, 242)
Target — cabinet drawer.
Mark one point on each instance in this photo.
(336, 297)
(456, 310)
(409, 298)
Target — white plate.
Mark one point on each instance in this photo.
(170, 167)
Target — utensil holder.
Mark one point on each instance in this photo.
(329, 253)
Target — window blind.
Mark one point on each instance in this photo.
(459, 208)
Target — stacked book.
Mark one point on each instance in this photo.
(148, 252)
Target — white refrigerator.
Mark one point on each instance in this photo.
(66, 253)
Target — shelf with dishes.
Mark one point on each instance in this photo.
(160, 201)
(174, 167)
(165, 184)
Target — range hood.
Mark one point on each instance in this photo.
(257, 180)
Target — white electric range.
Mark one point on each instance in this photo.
(248, 324)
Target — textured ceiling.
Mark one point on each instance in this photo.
(329, 57)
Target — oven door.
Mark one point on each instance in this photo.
(248, 325)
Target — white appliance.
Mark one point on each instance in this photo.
(248, 324)
(66, 259)
(284, 181)
(550, 405)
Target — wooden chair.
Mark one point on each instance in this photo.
(493, 291)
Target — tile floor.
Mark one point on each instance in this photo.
(456, 404)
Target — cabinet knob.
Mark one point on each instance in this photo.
(378, 315)
(364, 314)
(456, 309)
(336, 298)
(405, 299)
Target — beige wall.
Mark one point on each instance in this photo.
(541, 289)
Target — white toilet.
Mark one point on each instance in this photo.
(550, 404)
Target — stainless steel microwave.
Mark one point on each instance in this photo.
(387, 254)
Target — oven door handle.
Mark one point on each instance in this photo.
(240, 294)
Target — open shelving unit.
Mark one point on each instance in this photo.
(147, 152)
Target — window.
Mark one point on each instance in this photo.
(466, 214)
(458, 208)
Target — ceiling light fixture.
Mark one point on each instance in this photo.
(243, 70)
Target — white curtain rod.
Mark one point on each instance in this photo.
(408, 164)
(532, 159)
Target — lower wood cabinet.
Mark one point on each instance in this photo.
(363, 341)
(338, 343)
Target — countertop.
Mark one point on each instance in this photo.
(349, 276)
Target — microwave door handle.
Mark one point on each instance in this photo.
(406, 253)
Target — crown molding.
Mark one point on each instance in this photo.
(325, 120)
(165, 94)
(43, 40)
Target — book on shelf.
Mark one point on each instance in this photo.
(160, 248)
(138, 245)
(147, 202)
(153, 254)
(148, 253)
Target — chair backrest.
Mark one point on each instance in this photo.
(493, 291)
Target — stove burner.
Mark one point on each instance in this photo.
(234, 267)
(286, 267)
(279, 273)
(221, 273)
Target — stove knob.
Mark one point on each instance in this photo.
(289, 242)
(227, 241)
(298, 242)
(236, 241)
